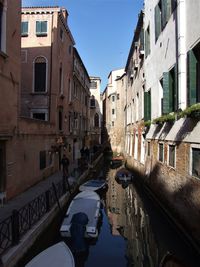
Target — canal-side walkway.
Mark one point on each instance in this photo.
(38, 201)
(21, 200)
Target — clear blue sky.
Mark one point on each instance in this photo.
(102, 29)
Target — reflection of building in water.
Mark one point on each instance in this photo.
(115, 204)
(141, 245)
(128, 218)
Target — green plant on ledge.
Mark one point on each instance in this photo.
(147, 123)
(192, 111)
(165, 118)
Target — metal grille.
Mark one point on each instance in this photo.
(14, 227)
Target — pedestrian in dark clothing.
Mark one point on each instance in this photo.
(87, 153)
(65, 165)
(82, 152)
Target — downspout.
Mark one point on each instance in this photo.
(181, 53)
(50, 80)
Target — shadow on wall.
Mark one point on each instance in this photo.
(181, 200)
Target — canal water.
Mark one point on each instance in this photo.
(132, 232)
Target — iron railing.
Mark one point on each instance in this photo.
(21, 221)
(15, 226)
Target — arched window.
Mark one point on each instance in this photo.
(40, 74)
(96, 120)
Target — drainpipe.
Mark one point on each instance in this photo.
(181, 54)
(50, 73)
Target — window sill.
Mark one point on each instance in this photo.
(41, 34)
(39, 93)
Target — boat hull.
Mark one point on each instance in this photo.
(87, 202)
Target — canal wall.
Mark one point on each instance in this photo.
(175, 197)
(15, 253)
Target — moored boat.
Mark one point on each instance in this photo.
(123, 175)
(93, 185)
(58, 255)
(116, 162)
(88, 203)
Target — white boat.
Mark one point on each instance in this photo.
(58, 255)
(85, 203)
(93, 185)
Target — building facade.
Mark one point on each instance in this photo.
(134, 102)
(10, 93)
(172, 83)
(112, 104)
(95, 110)
(79, 112)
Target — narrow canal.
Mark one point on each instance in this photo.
(132, 232)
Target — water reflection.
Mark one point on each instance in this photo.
(132, 232)
(148, 236)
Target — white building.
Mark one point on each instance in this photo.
(172, 60)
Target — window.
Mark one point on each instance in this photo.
(61, 34)
(70, 91)
(60, 80)
(196, 162)
(170, 91)
(147, 41)
(40, 73)
(172, 150)
(39, 114)
(147, 105)
(24, 28)
(113, 123)
(113, 98)
(193, 75)
(113, 111)
(92, 102)
(161, 152)
(41, 28)
(162, 13)
(93, 84)
(42, 160)
(96, 120)
(161, 84)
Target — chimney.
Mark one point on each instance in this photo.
(64, 13)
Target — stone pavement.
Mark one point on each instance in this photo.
(27, 196)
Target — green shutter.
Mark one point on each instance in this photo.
(142, 39)
(168, 9)
(164, 12)
(166, 93)
(176, 87)
(38, 27)
(44, 26)
(157, 22)
(24, 27)
(146, 44)
(145, 106)
(192, 78)
(149, 105)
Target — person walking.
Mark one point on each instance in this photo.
(65, 165)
